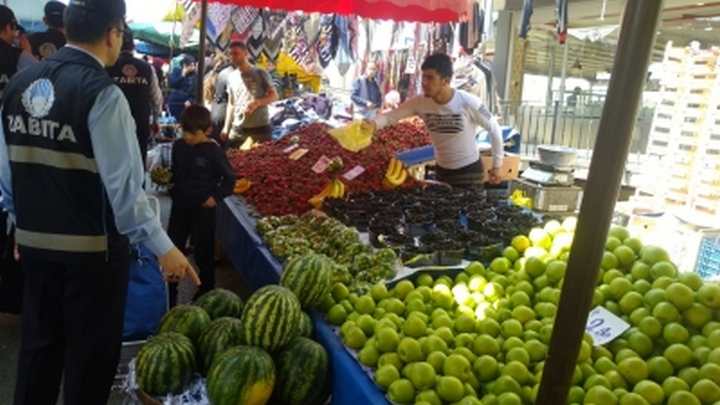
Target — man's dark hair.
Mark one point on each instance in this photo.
(7, 17)
(87, 21)
(440, 63)
(238, 44)
(54, 12)
(195, 118)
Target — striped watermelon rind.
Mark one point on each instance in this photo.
(309, 277)
(302, 373)
(188, 320)
(220, 302)
(165, 364)
(271, 317)
(305, 328)
(241, 375)
(220, 335)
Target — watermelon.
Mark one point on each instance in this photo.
(188, 320)
(241, 375)
(305, 328)
(221, 302)
(302, 373)
(165, 364)
(271, 317)
(222, 334)
(309, 277)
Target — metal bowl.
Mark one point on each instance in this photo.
(557, 155)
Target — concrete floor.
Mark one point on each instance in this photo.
(226, 277)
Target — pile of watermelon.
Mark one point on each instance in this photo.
(255, 353)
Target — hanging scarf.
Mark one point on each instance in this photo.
(327, 44)
(243, 18)
(218, 19)
(256, 39)
(295, 38)
(527, 14)
(312, 28)
(274, 22)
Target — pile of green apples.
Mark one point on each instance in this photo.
(482, 336)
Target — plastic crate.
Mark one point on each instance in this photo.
(708, 258)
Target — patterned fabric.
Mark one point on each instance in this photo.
(218, 19)
(256, 40)
(353, 36)
(274, 22)
(243, 18)
(190, 19)
(312, 28)
(296, 43)
(327, 43)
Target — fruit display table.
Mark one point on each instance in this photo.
(249, 255)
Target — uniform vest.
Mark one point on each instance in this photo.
(45, 44)
(61, 206)
(134, 76)
(9, 57)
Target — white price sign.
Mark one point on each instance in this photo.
(604, 326)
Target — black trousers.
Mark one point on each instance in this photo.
(197, 223)
(11, 276)
(72, 325)
(467, 176)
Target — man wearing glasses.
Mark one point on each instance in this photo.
(71, 177)
(12, 58)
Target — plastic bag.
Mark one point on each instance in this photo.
(146, 297)
(354, 136)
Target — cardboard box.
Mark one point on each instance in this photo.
(510, 169)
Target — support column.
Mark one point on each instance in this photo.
(517, 73)
(502, 62)
(640, 21)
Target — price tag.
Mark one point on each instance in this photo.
(353, 173)
(298, 154)
(321, 165)
(290, 148)
(604, 326)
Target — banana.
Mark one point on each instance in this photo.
(399, 180)
(397, 168)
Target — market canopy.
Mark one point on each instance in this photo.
(162, 34)
(398, 10)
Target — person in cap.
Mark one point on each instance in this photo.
(13, 57)
(71, 179)
(137, 80)
(183, 86)
(48, 42)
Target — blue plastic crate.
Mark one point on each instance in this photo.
(708, 258)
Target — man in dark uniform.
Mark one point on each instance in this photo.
(137, 80)
(71, 179)
(44, 44)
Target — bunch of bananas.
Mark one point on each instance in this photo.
(334, 189)
(241, 186)
(518, 198)
(396, 174)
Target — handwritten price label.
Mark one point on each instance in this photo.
(604, 326)
(321, 165)
(353, 173)
(298, 154)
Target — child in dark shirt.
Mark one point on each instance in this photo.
(202, 178)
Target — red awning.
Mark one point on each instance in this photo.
(397, 10)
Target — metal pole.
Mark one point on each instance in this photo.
(634, 48)
(201, 51)
(563, 75)
(551, 74)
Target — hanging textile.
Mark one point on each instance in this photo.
(327, 44)
(256, 40)
(312, 28)
(296, 43)
(525, 22)
(471, 30)
(218, 19)
(487, 28)
(274, 24)
(343, 60)
(353, 35)
(381, 35)
(190, 19)
(443, 40)
(363, 40)
(562, 20)
(243, 18)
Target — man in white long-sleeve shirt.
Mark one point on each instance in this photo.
(452, 117)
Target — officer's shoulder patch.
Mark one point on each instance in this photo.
(39, 98)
